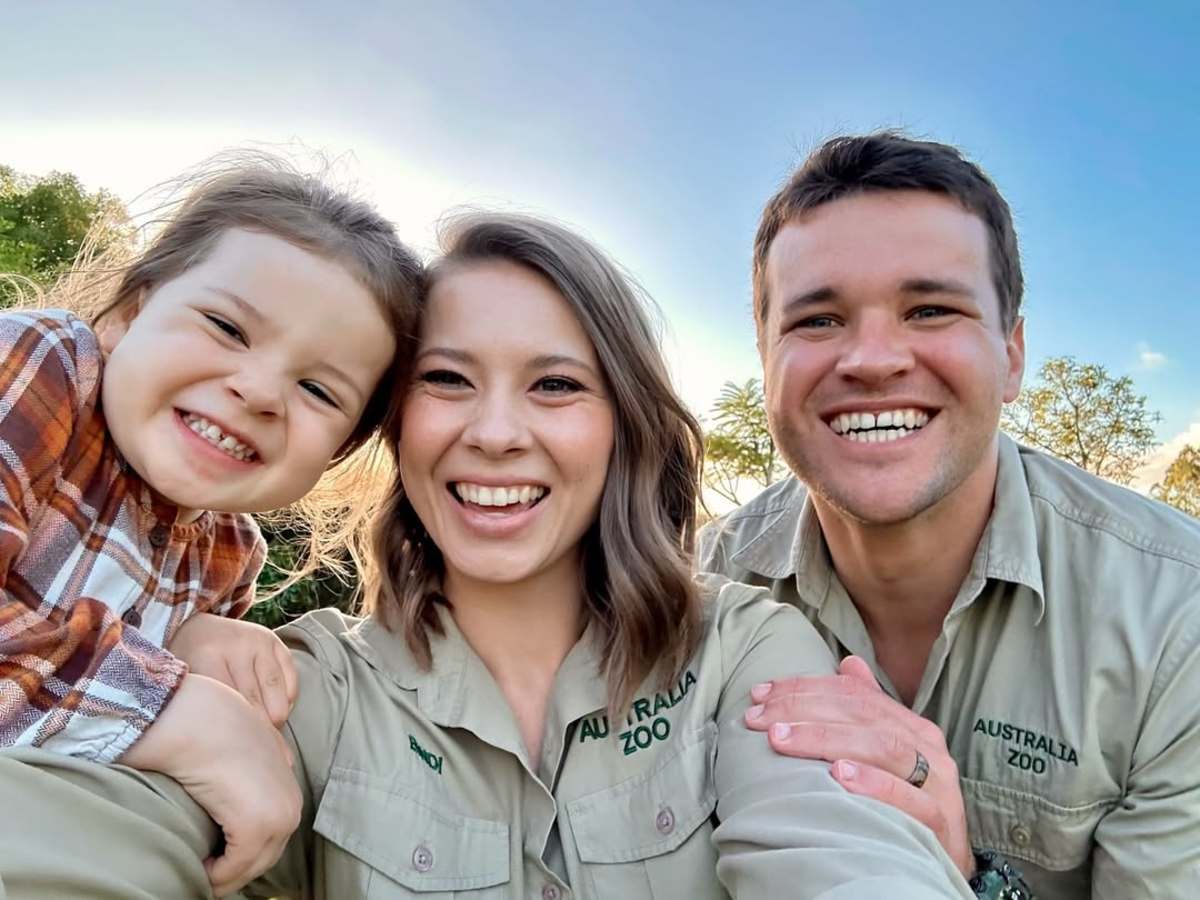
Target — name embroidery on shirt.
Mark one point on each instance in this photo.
(1026, 755)
(432, 760)
(640, 736)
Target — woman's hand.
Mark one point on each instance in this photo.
(873, 742)
(244, 656)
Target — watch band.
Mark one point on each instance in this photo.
(996, 878)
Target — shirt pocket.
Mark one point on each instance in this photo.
(649, 837)
(1030, 828)
(389, 845)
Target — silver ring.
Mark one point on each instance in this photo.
(920, 773)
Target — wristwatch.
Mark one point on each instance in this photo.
(996, 878)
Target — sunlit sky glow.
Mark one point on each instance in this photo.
(659, 129)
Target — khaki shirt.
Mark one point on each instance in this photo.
(1066, 677)
(417, 784)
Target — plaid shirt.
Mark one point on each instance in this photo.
(95, 574)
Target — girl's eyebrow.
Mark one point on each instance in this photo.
(240, 302)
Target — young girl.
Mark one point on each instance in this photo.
(248, 347)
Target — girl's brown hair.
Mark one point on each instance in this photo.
(265, 193)
(636, 557)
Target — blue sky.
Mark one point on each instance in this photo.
(660, 128)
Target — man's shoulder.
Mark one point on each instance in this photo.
(1107, 517)
(776, 509)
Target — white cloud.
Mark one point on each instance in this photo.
(1148, 359)
(1157, 463)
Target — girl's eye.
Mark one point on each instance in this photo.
(228, 327)
(319, 392)
(558, 384)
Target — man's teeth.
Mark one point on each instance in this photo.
(483, 495)
(218, 438)
(874, 428)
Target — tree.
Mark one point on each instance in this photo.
(1181, 484)
(44, 223)
(740, 445)
(1080, 413)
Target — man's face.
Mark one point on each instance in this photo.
(884, 358)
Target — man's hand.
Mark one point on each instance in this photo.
(232, 762)
(247, 657)
(872, 741)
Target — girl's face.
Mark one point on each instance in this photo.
(507, 428)
(232, 386)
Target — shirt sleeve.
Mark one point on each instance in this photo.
(1149, 844)
(787, 828)
(311, 732)
(244, 593)
(73, 678)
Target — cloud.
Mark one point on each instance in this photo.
(1157, 463)
(1149, 360)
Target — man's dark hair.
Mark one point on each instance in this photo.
(889, 161)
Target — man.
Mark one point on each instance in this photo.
(1034, 631)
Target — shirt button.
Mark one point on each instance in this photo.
(665, 820)
(551, 892)
(132, 617)
(159, 536)
(1020, 835)
(422, 858)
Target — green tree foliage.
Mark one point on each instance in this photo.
(739, 446)
(1079, 412)
(45, 221)
(1181, 484)
(324, 588)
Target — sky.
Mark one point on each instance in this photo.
(660, 128)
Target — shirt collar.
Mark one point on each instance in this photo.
(789, 542)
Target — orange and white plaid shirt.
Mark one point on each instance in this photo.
(95, 573)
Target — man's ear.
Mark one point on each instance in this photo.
(1015, 347)
(113, 326)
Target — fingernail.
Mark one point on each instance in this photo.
(760, 691)
(754, 712)
(780, 731)
(844, 770)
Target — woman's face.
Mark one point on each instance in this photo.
(507, 428)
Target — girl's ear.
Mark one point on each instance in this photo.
(113, 326)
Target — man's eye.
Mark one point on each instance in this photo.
(558, 384)
(816, 322)
(319, 392)
(931, 312)
(228, 327)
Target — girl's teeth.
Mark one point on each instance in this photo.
(219, 439)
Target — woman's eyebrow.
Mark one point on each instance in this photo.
(551, 360)
(461, 356)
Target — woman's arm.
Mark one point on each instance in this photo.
(787, 827)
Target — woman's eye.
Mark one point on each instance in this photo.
(442, 378)
(319, 392)
(557, 384)
(228, 327)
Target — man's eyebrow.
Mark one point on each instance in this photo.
(809, 298)
(241, 303)
(936, 286)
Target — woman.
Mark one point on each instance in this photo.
(541, 699)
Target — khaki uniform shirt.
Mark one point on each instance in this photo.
(1066, 677)
(417, 784)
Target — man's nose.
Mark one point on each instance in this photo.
(876, 351)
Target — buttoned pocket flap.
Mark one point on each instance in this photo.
(653, 812)
(1028, 827)
(410, 841)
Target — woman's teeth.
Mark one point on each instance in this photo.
(876, 428)
(484, 495)
(218, 438)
